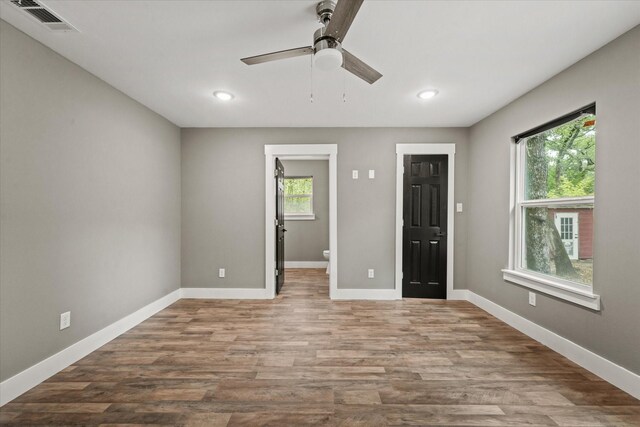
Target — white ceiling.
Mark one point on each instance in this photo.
(480, 55)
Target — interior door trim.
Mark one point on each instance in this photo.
(401, 151)
(300, 152)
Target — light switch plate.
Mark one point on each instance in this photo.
(532, 299)
(458, 207)
(354, 174)
(372, 174)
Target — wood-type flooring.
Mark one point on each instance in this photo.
(302, 359)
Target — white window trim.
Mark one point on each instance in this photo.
(564, 289)
(303, 216)
(299, 217)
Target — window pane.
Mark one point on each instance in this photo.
(303, 185)
(560, 162)
(297, 205)
(559, 242)
(298, 193)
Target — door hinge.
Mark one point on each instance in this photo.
(275, 172)
(276, 272)
(403, 170)
(276, 221)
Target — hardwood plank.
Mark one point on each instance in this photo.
(269, 419)
(358, 397)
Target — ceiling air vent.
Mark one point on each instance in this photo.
(43, 15)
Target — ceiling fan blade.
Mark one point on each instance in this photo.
(342, 17)
(359, 68)
(274, 56)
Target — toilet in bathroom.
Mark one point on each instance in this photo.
(326, 256)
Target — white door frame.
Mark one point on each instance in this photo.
(300, 152)
(401, 151)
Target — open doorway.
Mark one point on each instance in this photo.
(306, 220)
(311, 225)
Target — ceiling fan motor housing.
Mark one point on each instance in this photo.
(327, 51)
(321, 41)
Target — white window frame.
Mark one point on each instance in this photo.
(574, 292)
(311, 216)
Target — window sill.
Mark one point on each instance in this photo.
(300, 217)
(550, 287)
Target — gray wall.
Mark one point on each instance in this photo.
(223, 225)
(611, 78)
(90, 202)
(305, 240)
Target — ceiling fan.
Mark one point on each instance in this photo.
(327, 48)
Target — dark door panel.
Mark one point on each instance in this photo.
(424, 247)
(279, 223)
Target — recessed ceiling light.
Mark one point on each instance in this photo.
(222, 95)
(426, 94)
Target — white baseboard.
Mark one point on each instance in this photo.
(366, 294)
(458, 295)
(605, 369)
(306, 264)
(226, 293)
(31, 377)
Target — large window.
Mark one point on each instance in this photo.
(298, 197)
(553, 182)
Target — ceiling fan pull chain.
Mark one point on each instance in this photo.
(344, 87)
(311, 66)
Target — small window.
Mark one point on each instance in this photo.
(554, 180)
(298, 198)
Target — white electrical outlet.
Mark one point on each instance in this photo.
(458, 207)
(354, 174)
(65, 320)
(532, 299)
(371, 273)
(221, 272)
(372, 174)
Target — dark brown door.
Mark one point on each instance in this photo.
(424, 246)
(279, 174)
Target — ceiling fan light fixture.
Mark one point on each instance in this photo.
(427, 94)
(223, 96)
(328, 59)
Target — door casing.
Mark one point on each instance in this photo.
(300, 152)
(450, 151)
